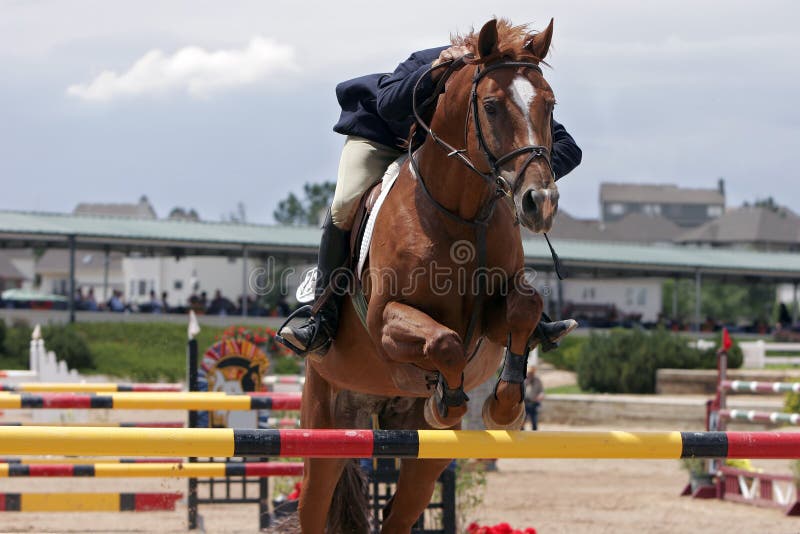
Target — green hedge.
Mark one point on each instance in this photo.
(567, 354)
(625, 361)
(64, 340)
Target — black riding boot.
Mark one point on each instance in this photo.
(317, 332)
(549, 333)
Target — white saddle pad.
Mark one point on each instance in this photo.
(388, 180)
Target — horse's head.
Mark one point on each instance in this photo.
(512, 107)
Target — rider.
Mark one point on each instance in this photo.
(376, 118)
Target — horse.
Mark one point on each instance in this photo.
(446, 289)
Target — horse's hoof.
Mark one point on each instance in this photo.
(432, 416)
(515, 424)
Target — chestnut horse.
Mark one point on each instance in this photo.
(452, 217)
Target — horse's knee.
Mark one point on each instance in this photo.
(445, 347)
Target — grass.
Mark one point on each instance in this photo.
(142, 352)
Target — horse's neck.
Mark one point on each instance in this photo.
(458, 189)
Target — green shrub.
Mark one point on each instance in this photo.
(69, 346)
(17, 346)
(2, 335)
(735, 356)
(285, 365)
(567, 354)
(625, 361)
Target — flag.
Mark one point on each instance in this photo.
(727, 343)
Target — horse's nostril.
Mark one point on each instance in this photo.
(529, 207)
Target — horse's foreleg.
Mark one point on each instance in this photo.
(409, 335)
(504, 410)
(414, 490)
(320, 476)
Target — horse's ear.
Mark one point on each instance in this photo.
(540, 44)
(487, 39)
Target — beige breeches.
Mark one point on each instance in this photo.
(362, 164)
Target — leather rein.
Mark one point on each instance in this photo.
(493, 178)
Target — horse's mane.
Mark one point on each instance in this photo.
(511, 40)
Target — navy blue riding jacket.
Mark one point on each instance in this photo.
(378, 107)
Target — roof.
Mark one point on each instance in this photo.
(663, 260)
(188, 238)
(633, 228)
(125, 234)
(141, 210)
(658, 194)
(642, 228)
(748, 224)
(568, 227)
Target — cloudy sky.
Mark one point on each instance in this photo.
(205, 104)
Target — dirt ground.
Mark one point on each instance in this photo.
(553, 496)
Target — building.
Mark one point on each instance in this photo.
(634, 227)
(141, 210)
(10, 276)
(686, 207)
(749, 227)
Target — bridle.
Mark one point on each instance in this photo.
(493, 178)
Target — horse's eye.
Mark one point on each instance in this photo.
(490, 108)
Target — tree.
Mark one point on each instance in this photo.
(180, 214)
(308, 211)
(237, 217)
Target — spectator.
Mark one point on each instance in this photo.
(282, 306)
(154, 304)
(79, 303)
(220, 305)
(164, 306)
(534, 394)
(115, 303)
(90, 303)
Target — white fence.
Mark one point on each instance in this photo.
(756, 354)
(43, 366)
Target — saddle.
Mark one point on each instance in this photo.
(361, 236)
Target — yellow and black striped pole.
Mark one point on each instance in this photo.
(395, 443)
(152, 401)
(152, 469)
(88, 502)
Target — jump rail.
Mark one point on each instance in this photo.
(88, 502)
(153, 470)
(132, 424)
(296, 443)
(100, 387)
(761, 417)
(152, 401)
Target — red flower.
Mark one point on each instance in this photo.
(501, 528)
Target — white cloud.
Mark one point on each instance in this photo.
(196, 71)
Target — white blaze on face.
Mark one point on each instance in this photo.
(522, 94)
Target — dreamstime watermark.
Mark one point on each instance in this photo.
(458, 274)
